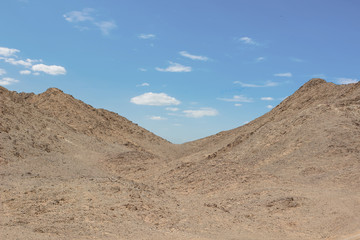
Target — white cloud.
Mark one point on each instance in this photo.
(36, 73)
(7, 81)
(155, 99)
(172, 109)
(346, 80)
(157, 118)
(25, 72)
(2, 71)
(267, 84)
(7, 52)
(247, 40)
(270, 106)
(106, 26)
(201, 113)
(49, 69)
(237, 98)
(142, 69)
(174, 67)
(79, 16)
(147, 36)
(237, 104)
(143, 85)
(288, 74)
(193, 57)
(267, 98)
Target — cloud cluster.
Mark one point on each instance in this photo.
(175, 67)
(9, 55)
(7, 81)
(85, 16)
(155, 99)
(193, 57)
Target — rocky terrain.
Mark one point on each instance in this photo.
(70, 171)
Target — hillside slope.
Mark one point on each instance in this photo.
(295, 169)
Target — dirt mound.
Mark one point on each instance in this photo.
(68, 170)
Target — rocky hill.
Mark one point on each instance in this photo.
(68, 170)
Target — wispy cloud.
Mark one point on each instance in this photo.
(79, 16)
(157, 118)
(25, 72)
(49, 69)
(175, 67)
(247, 40)
(155, 99)
(237, 98)
(2, 71)
(267, 98)
(85, 16)
(172, 109)
(203, 112)
(26, 63)
(287, 74)
(147, 36)
(143, 85)
(8, 52)
(346, 80)
(193, 57)
(260, 59)
(296, 60)
(7, 81)
(106, 26)
(249, 85)
(142, 69)
(269, 106)
(237, 104)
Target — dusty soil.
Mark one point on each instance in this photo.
(70, 171)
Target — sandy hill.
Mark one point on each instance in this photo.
(70, 171)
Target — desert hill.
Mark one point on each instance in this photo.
(70, 171)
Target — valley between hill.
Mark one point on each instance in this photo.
(70, 171)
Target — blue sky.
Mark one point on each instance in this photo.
(181, 69)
